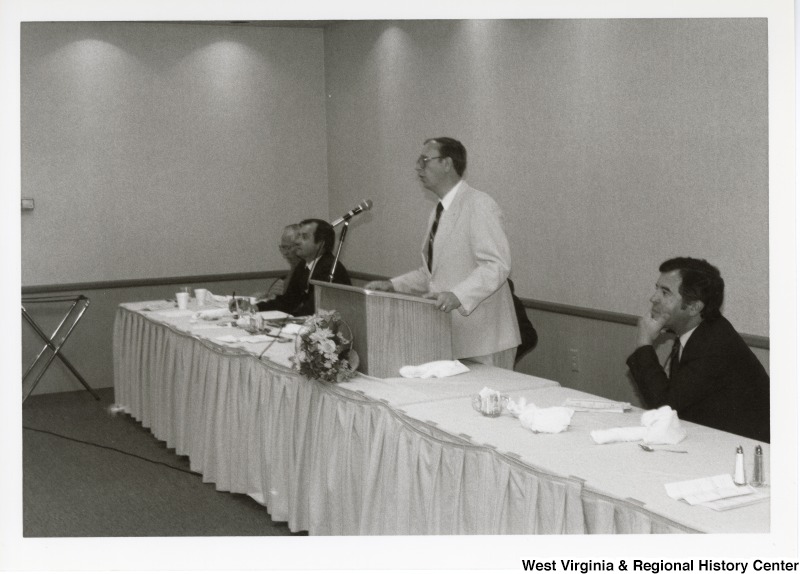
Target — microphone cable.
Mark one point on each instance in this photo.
(111, 448)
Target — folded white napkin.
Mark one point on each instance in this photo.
(659, 426)
(213, 314)
(663, 426)
(547, 420)
(618, 434)
(433, 370)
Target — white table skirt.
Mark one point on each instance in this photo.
(372, 456)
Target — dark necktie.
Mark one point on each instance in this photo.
(434, 227)
(675, 359)
(303, 278)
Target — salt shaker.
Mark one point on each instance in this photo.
(738, 474)
(758, 467)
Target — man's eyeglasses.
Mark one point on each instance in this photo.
(422, 161)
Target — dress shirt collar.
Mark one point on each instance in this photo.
(311, 264)
(448, 198)
(684, 339)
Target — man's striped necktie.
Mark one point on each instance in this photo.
(434, 227)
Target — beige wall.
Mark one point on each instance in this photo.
(611, 145)
(160, 150)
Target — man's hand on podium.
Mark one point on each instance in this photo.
(379, 286)
(445, 301)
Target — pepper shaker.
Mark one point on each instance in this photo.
(758, 467)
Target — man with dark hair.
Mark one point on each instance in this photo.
(713, 377)
(314, 246)
(323, 233)
(466, 260)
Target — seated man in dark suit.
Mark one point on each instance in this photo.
(714, 378)
(314, 246)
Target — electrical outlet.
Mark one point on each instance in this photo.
(27, 204)
(574, 363)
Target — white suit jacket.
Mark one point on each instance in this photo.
(471, 258)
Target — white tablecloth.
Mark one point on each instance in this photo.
(399, 456)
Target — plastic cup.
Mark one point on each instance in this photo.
(200, 295)
(183, 300)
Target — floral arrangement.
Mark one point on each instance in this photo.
(323, 349)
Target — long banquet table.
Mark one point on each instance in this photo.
(400, 456)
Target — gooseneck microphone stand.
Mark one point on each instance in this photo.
(338, 250)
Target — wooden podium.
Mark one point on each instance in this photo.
(390, 330)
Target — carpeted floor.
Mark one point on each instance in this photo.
(87, 472)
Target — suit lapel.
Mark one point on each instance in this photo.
(696, 343)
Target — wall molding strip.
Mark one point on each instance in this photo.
(757, 341)
(149, 282)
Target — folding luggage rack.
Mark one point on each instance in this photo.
(53, 343)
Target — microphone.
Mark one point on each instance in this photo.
(365, 205)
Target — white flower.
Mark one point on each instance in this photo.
(327, 346)
(321, 334)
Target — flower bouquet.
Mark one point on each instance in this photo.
(323, 349)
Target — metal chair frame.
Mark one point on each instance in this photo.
(54, 342)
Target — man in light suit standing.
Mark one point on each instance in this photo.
(466, 260)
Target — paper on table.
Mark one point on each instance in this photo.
(272, 315)
(255, 339)
(737, 501)
(293, 328)
(716, 492)
(154, 306)
(597, 406)
(227, 339)
(176, 313)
